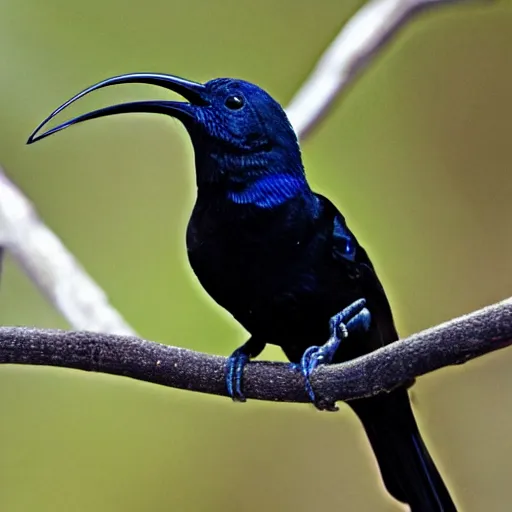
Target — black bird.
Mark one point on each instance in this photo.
(281, 259)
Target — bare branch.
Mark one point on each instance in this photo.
(52, 267)
(352, 49)
(454, 342)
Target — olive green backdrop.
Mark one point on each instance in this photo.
(418, 155)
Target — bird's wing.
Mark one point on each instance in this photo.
(347, 251)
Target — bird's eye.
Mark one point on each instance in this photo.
(234, 102)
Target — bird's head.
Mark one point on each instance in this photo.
(243, 141)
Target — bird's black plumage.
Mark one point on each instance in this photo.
(285, 290)
(281, 258)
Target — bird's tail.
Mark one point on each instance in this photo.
(408, 471)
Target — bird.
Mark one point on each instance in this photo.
(282, 259)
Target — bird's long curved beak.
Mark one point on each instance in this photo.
(193, 92)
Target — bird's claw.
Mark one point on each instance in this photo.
(352, 318)
(234, 373)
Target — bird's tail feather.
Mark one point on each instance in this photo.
(408, 471)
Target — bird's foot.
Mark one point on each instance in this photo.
(352, 318)
(234, 373)
(236, 364)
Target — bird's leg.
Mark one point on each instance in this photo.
(236, 364)
(353, 318)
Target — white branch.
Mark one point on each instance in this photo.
(352, 49)
(52, 267)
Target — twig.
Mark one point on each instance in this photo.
(353, 48)
(52, 267)
(454, 342)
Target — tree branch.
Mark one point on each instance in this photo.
(52, 267)
(351, 51)
(453, 342)
(63, 280)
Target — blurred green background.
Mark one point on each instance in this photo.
(417, 154)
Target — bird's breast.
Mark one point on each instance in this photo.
(253, 274)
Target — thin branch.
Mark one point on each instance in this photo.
(357, 43)
(52, 267)
(451, 343)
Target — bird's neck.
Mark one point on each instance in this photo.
(260, 180)
(266, 191)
